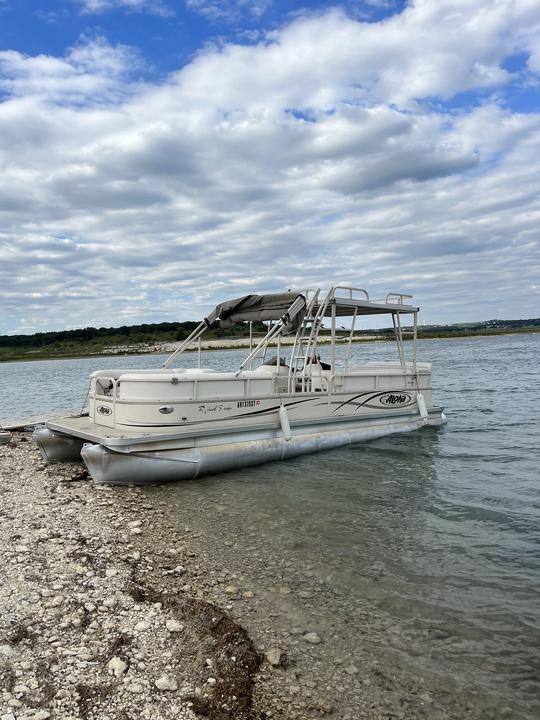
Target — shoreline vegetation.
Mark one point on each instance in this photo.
(164, 338)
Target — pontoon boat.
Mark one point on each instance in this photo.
(150, 426)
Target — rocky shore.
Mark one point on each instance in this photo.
(111, 611)
(85, 630)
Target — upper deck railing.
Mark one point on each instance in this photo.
(340, 301)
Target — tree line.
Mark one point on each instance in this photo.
(146, 332)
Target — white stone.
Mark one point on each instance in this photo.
(313, 638)
(166, 683)
(274, 656)
(116, 666)
(174, 626)
(135, 523)
(135, 688)
(42, 715)
(142, 626)
(110, 602)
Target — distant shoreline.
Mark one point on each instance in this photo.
(221, 344)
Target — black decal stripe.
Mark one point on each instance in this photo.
(351, 400)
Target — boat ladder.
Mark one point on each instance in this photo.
(305, 345)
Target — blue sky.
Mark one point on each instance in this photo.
(168, 34)
(158, 157)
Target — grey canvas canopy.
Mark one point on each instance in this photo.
(289, 306)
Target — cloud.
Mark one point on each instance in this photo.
(229, 10)
(92, 71)
(153, 7)
(324, 153)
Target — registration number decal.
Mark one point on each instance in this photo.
(248, 403)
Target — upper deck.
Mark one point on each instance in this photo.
(344, 301)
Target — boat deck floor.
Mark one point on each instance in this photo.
(84, 427)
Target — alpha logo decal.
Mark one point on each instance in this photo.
(394, 399)
(104, 410)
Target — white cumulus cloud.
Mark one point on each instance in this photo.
(323, 153)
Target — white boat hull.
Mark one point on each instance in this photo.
(115, 467)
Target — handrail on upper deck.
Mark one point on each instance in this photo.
(350, 291)
(400, 297)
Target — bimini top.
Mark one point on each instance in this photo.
(289, 306)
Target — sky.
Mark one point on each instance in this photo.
(158, 157)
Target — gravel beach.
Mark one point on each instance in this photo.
(109, 610)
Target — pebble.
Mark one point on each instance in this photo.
(135, 688)
(174, 626)
(274, 656)
(116, 666)
(312, 638)
(41, 715)
(166, 683)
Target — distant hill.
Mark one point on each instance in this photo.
(493, 327)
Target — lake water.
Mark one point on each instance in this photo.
(438, 531)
